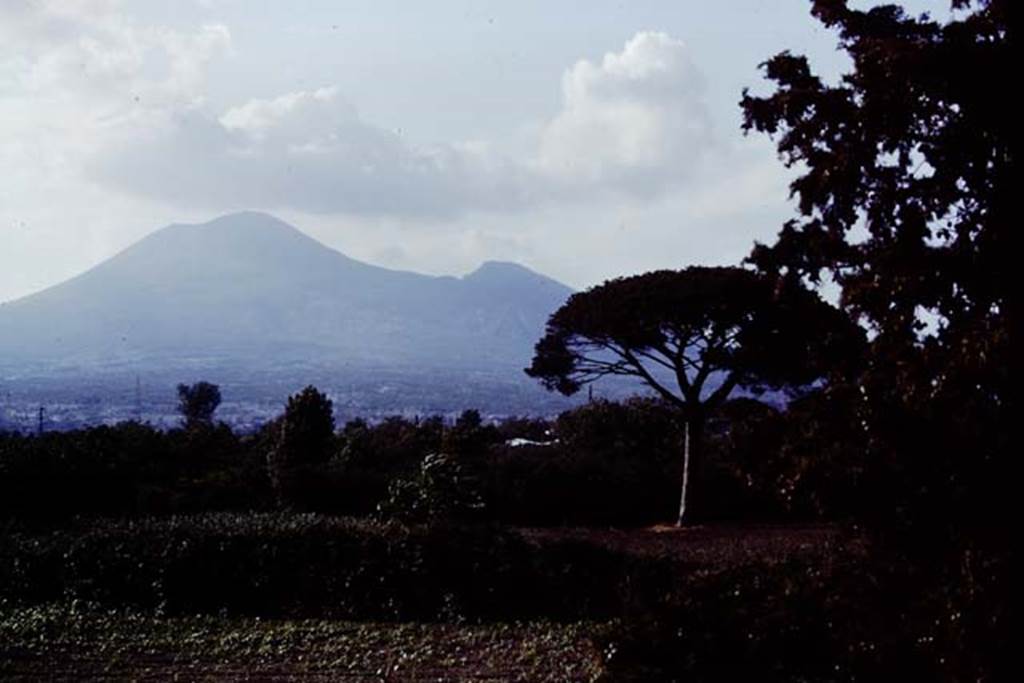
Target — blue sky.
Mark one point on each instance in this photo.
(584, 139)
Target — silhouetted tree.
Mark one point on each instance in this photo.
(469, 419)
(307, 429)
(197, 403)
(907, 203)
(907, 200)
(305, 438)
(678, 330)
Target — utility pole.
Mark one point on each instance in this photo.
(42, 416)
(138, 398)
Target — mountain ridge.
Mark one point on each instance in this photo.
(250, 288)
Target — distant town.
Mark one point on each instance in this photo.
(75, 401)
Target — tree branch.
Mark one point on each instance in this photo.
(653, 383)
(722, 392)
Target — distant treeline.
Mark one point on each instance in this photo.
(602, 463)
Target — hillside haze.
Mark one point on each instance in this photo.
(248, 289)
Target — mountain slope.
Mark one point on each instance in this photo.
(249, 289)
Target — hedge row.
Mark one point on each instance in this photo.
(315, 566)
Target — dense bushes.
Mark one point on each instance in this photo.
(792, 622)
(603, 463)
(872, 620)
(374, 456)
(129, 469)
(824, 617)
(808, 620)
(804, 462)
(288, 564)
(620, 464)
(606, 463)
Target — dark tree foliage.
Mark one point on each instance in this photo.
(693, 336)
(394, 446)
(603, 463)
(197, 403)
(469, 437)
(800, 463)
(905, 201)
(469, 420)
(373, 456)
(307, 428)
(305, 440)
(128, 469)
(448, 484)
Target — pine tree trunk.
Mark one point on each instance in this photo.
(692, 433)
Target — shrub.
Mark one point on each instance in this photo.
(881, 620)
(374, 456)
(444, 489)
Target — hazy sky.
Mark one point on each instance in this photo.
(586, 139)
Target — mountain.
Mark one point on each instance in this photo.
(249, 290)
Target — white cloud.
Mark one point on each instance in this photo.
(302, 109)
(635, 124)
(637, 120)
(73, 73)
(306, 150)
(89, 53)
(109, 99)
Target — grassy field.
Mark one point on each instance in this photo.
(56, 642)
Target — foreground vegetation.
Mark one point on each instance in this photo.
(85, 642)
(722, 600)
(206, 592)
(289, 565)
(477, 533)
